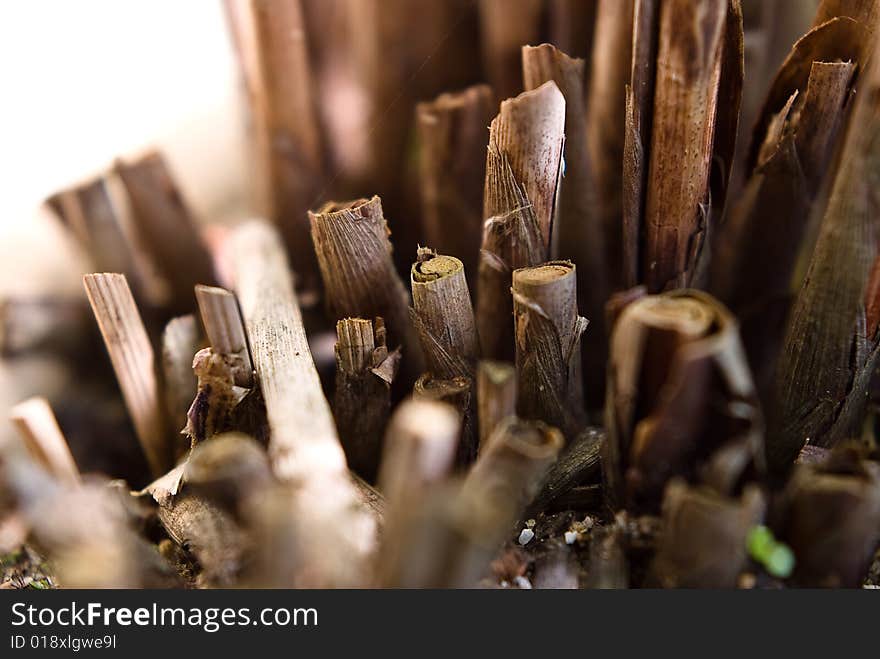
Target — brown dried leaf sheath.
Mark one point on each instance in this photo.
(275, 61)
(827, 358)
(637, 137)
(753, 266)
(611, 61)
(530, 131)
(354, 253)
(453, 132)
(362, 400)
(548, 335)
(303, 446)
(523, 167)
(443, 315)
(579, 233)
(678, 388)
(132, 357)
(167, 230)
(686, 93)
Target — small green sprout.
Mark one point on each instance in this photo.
(776, 557)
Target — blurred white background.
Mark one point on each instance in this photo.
(85, 81)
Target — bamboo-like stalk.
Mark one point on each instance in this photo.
(273, 51)
(670, 355)
(506, 26)
(364, 373)
(304, 447)
(453, 131)
(579, 233)
(181, 340)
(522, 175)
(611, 60)
(38, 428)
(496, 396)
(167, 230)
(222, 320)
(689, 58)
(133, 362)
(354, 254)
(548, 343)
(443, 315)
(829, 347)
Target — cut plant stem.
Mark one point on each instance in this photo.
(364, 373)
(458, 392)
(167, 230)
(354, 253)
(686, 93)
(523, 167)
(133, 362)
(419, 449)
(38, 428)
(604, 123)
(703, 544)
(418, 455)
(443, 315)
(496, 396)
(843, 493)
(274, 57)
(637, 137)
(453, 132)
(450, 538)
(222, 320)
(548, 342)
(830, 346)
(755, 261)
(88, 212)
(303, 446)
(579, 234)
(670, 355)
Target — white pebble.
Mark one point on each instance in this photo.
(522, 583)
(525, 536)
(570, 537)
